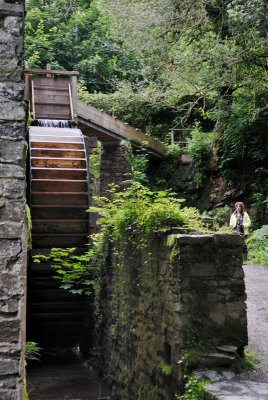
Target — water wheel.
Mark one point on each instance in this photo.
(58, 186)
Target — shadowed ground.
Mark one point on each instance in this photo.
(68, 380)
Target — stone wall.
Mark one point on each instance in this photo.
(115, 167)
(171, 307)
(12, 200)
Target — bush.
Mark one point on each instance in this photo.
(199, 147)
(143, 211)
(258, 246)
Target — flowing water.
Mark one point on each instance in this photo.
(54, 123)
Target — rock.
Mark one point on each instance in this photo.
(243, 390)
(216, 360)
(214, 376)
(228, 349)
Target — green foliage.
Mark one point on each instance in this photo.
(139, 163)
(168, 169)
(162, 64)
(194, 389)
(249, 362)
(199, 147)
(258, 246)
(95, 162)
(77, 272)
(32, 351)
(166, 369)
(141, 210)
(143, 106)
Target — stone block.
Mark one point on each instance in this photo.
(13, 152)
(9, 306)
(8, 382)
(12, 130)
(10, 285)
(9, 350)
(11, 171)
(9, 249)
(10, 230)
(12, 91)
(14, 189)
(10, 394)
(8, 367)
(11, 8)
(11, 110)
(13, 24)
(10, 330)
(12, 210)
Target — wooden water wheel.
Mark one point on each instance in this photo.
(58, 186)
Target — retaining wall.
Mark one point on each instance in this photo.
(169, 307)
(13, 241)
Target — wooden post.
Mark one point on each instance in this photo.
(73, 82)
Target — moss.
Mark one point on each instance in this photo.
(29, 226)
(171, 240)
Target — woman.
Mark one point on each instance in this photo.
(240, 223)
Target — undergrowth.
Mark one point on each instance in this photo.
(194, 389)
(131, 215)
(249, 362)
(258, 246)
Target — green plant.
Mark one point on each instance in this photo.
(77, 272)
(143, 211)
(194, 389)
(139, 163)
(249, 362)
(258, 246)
(94, 161)
(166, 369)
(199, 146)
(32, 351)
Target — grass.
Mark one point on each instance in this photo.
(250, 362)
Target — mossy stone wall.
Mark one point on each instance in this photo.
(166, 304)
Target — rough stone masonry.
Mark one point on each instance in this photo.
(13, 241)
(176, 305)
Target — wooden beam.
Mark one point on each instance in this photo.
(51, 71)
(87, 113)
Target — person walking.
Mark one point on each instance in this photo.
(239, 223)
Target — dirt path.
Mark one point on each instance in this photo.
(256, 278)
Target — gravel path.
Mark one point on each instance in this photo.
(256, 278)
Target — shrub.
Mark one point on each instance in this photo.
(258, 246)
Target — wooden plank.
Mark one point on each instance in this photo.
(71, 199)
(49, 212)
(61, 153)
(48, 98)
(54, 131)
(57, 306)
(66, 316)
(56, 145)
(58, 163)
(60, 226)
(58, 139)
(50, 111)
(46, 173)
(40, 269)
(88, 113)
(34, 71)
(59, 240)
(45, 185)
